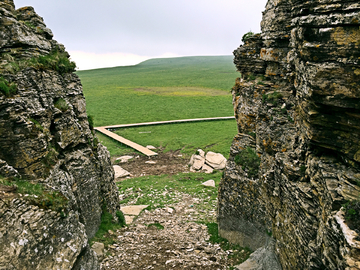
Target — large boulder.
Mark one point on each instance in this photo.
(215, 160)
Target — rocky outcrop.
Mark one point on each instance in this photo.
(295, 160)
(45, 138)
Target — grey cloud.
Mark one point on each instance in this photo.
(150, 27)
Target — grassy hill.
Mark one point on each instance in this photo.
(160, 89)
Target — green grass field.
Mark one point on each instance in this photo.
(164, 89)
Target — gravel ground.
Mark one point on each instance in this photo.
(171, 237)
(181, 244)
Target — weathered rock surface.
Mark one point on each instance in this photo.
(45, 137)
(297, 109)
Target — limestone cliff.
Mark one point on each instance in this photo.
(45, 138)
(296, 158)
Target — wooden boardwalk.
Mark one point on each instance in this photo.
(141, 148)
(118, 138)
(170, 122)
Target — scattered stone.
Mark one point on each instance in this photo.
(150, 147)
(124, 159)
(150, 162)
(215, 160)
(133, 210)
(120, 172)
(169, 210)
(209, 183)
(174, 237)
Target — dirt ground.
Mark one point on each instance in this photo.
(171, 162)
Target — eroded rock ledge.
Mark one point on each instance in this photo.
(297, 107)
(45, 138)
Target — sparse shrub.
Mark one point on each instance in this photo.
(107, 223)
(121, 218)
(247, 36)
(61, 105)
(55, 60)
(239, 254)
(249, 161)
(156, 225)
(251, 77)
(51, 157)
(37, 124)
(352, 214)
(302, 170)
(29, 24)
(6, 88)
(91, 121)
(37, 194)
(252, 134)
(273, 98)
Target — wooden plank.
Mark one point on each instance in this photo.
(169, 122)
(118, 138)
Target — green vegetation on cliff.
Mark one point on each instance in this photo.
(7, 88)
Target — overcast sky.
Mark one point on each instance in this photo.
(125, 32)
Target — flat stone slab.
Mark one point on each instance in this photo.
(124, 159)
(150, 147)
(129, 219)
(209, 183)
(120, 172)
(150, 162)
(133, 210)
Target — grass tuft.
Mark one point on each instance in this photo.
(37, 194)
(156, 225)
(239, 254)
(6, 88)
(61, 104)
(102, 235)
(249, 161)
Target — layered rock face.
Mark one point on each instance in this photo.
(45, 138)
(295, 160)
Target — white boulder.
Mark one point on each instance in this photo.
(215, 160)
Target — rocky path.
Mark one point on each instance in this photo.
(168, 238)
(172, 236)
